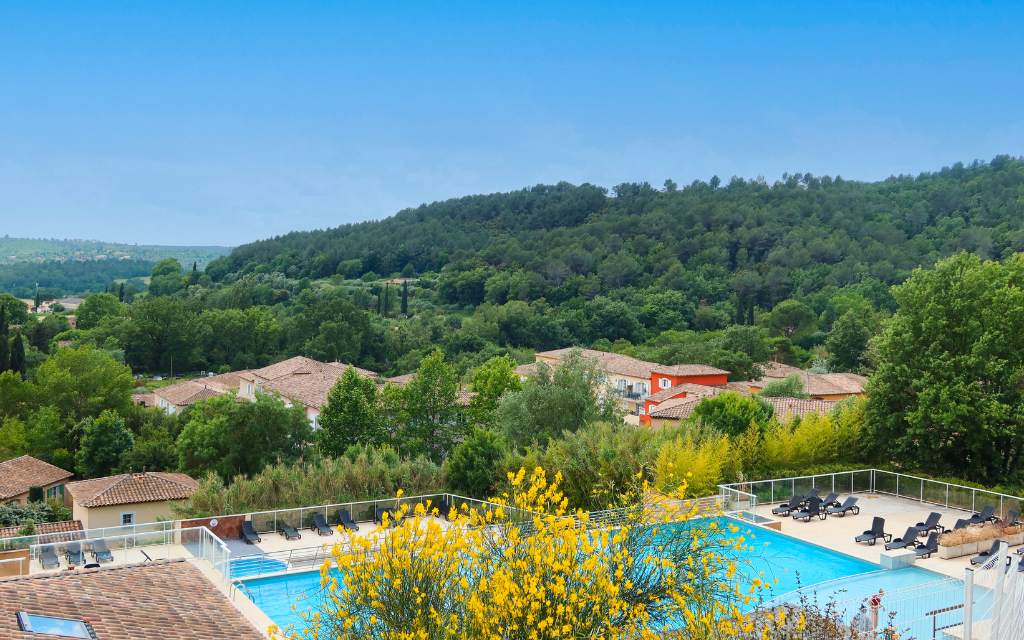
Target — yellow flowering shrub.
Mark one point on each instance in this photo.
(528, 570)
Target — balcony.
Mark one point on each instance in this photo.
(636, 396)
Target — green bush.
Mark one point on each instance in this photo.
(473, 465)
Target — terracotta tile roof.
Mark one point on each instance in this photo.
(742, 388)
(786, 408)
(166, 599)
(824, 384)
(676, 408)
(300, 365)
(336, 369)
(610, 362)
(224, 381)
(465, 397)
(144, 399)
(688, 370)
(309, 389)
(48, 528)
(779, 370)
(526, 369)
(18, 474)
(188, 392)
(684, 387)
(132, 488)
(404, 379)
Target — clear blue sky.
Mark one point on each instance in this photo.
(221, 123)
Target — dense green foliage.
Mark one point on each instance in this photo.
(15, 514)
(351, 415)
(57, 279)
(472, 468)
(732, 413)
(104, 441)
(948, 395)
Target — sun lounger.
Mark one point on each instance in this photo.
(379, 516)
(48, 557)
(909, 539)
(1012, 519)
(289, 532)
(345, 519)
(987, 514)
(146, 556)
(320, 525)
(876, 531)
(850, 504)
(813, 493)
(930, 524)
(789, 507)
(92, 565)
(813, 509)
(74, 553)
(249, 534)
(100, 551)
(985, 556)
(929, 547)
(831, 500)
(443, 509)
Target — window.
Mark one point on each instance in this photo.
(640, 409)
(664, 383)
(53, 626)
(620, 384)
(248, 389)
(53, 492)
(641, 388)
(128, 518)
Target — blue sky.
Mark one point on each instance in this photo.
(222, 123)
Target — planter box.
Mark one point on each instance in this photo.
(948, 553)
(1016, 539)
(971, 549)
(985, 545)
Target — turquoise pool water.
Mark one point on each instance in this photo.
(790, 562)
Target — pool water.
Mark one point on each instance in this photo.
(787, 564)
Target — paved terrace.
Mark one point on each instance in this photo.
(838, 533)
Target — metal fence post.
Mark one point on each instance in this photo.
(968, 603)
(947, 495)
(974, 499)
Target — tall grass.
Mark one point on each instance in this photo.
(362, 474)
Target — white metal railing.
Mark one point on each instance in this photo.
(923, 490)
(21, 564)
(23, 542)
(195, 542)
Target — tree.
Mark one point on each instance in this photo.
(947, 395)
(405, 297)
(104, 440)
(167, 266)
(17, 311)
(83, 383)
(387, 299)
(556, 399)
(154, 455)
(5, 343)
(791, 319)
(350, 415)
(161, 329)
(95, 307)
(791, 387)
(472, 467)
(732, 413)
(490, 383)
(120, 293)
(240, 438)
(432, 408)
(847, 343)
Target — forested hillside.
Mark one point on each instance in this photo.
(56, 279)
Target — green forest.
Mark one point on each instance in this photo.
(819, 272)
(56, 279)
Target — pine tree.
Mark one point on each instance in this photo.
(5, 345)
(405, 298)
(18, 356)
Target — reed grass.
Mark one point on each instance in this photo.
(368, 474)
(970, 535)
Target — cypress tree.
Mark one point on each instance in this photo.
(5, 345)
(120, 294)
(387, 299)
(405, 298)
(18, 356)
(379, 296)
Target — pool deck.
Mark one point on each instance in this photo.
(838, 533)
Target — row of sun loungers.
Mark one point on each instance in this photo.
(807, 506)
(320, 526)
(75, 554)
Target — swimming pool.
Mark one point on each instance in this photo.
(789, 561)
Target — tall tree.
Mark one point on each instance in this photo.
(104, 440)
(490, 382)
(405, 298)
(18, 356)
(120, 293)
(433, 422)
(5, 344)
(351, 415)
(387, 298)
(847, 343)
(948, 395)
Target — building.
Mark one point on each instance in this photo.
(681, 390)
(672, 412)
(166, 599)
(297, 367)
(634, 380)
(130, 498)
(175, 397)
(310, 391)
(819, 386)
(20, 474)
